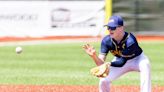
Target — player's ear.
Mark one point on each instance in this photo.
(121, 28)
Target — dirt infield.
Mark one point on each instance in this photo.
(64, 88)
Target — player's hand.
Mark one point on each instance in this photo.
(90, 50)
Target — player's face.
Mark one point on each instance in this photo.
(114, 32)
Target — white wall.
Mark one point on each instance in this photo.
(51, 18)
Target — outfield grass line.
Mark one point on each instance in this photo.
(38, 42)
(45, 42)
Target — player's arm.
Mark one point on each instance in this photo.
(127, 53)
(90, 50)
(119, 62)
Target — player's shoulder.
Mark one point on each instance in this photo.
(106, 39)
(131, 39)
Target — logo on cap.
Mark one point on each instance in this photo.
(111, 20)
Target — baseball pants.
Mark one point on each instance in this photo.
(140, 64)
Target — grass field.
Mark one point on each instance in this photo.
(67, 64)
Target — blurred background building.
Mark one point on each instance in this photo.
(40, 18)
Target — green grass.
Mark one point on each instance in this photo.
(68, 64)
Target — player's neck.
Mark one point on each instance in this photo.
(120, 37)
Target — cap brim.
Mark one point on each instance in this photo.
(111, 25)
(105, 25)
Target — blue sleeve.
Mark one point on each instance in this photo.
(119, 62)
(104, 48)
(127, 53)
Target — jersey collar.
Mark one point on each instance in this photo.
(123, 39)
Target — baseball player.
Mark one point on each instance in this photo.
(128, 56)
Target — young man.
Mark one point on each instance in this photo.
(128, 56)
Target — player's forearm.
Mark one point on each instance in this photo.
(97, 60)
(119, 62)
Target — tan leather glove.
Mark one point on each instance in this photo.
(101, 71)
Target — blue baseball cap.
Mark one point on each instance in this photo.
(115, 21)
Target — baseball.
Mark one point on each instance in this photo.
(18, 50)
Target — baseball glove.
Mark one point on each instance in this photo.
(101, 71)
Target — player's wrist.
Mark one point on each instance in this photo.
(94, 55)
(109, 63)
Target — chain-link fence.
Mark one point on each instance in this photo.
(141, 15)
